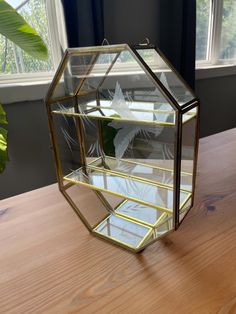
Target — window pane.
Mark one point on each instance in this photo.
(202, 29)
(228, 33)
(13, 59)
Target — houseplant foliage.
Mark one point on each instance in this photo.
(3, 139)
(15, 28)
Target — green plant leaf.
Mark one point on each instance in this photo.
(3, 116)
(3, 148)
(15, 28)
(108, 134)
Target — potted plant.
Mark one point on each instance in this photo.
(14, 27)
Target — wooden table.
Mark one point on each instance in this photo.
(49, 263)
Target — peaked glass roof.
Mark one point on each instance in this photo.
(133, 83)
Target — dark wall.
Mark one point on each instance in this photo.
(218, 104)
(131, 21)
(31, 164)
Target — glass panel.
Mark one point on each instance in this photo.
(139, 212)
(142, 154)
(149, 150)
(75, 68)
(164, 225)
(144, 192)
(202, 28)
(166, 75)
(128, 87)
(129, 129)
(123, 231)
(97, 74)
(184, 210)
(88, 204)
(228, 31)
(151, 112)
(115, 84)
(146, 169)
(163, 228)
(65, 132)
(188, 156)
(116, 138)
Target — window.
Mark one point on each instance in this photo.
(216, 32)
(46, 17)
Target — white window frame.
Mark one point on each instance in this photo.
(33, 86)
(213, 66)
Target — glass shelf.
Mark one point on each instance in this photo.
(130, 232)
(123, 231)
(124, 127)
(144, 169)
(134, 112)
(135, 188)
(140, 213)
(146, 211)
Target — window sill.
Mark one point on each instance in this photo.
(35, 89)
(23, 91)
(210, 71)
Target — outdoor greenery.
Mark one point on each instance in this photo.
(15, 28)
(3, 139)
(228, 31)
(203, 10)
(15, 60)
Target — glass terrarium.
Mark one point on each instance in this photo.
(124, 130)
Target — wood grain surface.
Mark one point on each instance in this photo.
(49, 263)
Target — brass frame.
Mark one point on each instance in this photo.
(178, 110)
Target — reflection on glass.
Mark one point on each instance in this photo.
(95, 74)
(187, 159)
(68, 148)
(143, 169)
(188, 148)
(140, 212)
(164, 227)
(123, 230)
(150, 194)
(166, 75)
(75, 69)
(135, 111)
(92, 214)
(185, 209)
